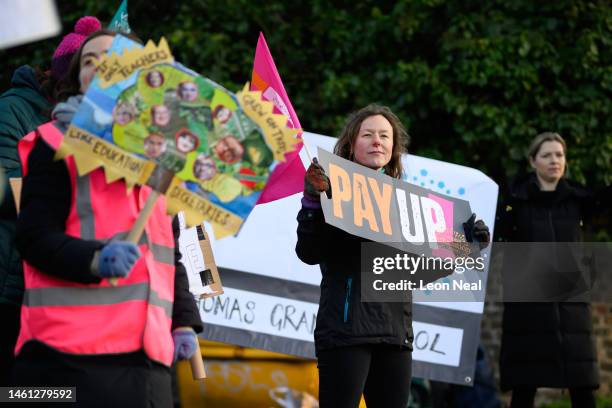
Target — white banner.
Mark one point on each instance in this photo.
(273, 315)
(437, 344)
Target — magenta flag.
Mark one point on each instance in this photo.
(288, 177)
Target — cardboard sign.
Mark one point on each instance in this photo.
(210, 276)
(199, 262)
(149, 120)
(375, 206)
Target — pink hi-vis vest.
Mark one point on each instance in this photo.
(90, 319)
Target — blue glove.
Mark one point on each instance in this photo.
(185, 344)
(117, 259)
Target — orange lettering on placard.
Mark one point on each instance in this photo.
(362, 204)
(383, 201)
(340, 187)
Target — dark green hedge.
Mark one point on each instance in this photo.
(473, 81)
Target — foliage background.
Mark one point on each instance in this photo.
(473, 81)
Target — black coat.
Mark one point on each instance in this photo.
(546, 344)
(343, 319)
(22, 109)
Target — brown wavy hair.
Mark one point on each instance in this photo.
(346, 140)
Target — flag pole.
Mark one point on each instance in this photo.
(307, 151)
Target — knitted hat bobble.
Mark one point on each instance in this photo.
(70, 45)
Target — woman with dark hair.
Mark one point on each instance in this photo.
(393, 140)
(114, 342)
(186, 141)
(222, 114)
(361, 347)
(546, 344)
(23, 108)
(188, 91)
(154, 79)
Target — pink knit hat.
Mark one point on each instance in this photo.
(70, 45)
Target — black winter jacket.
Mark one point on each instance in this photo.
(22, 109)
(546, 344)
(343, 319)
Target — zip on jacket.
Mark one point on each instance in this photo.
(347, 297)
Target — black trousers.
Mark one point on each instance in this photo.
(122, 380)
(10, 318)
(381, 372)
(581, 397)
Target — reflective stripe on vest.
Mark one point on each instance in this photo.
(161, 253)
(108, 295)
(84, 208)
(100, 318)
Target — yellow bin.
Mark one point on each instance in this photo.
(245, 377)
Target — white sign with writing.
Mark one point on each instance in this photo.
(267, 314)
(437, 344)
(192, 258)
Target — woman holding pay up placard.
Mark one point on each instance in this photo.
(361, 347)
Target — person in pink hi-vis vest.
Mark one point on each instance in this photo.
(24, 107)
(114, 342)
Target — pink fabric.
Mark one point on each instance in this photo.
(70, 45)
(91, 329)
(27, 143)
(288, 177)
(447, 235)
(71, 42)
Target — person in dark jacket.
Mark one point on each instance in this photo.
(23, 108)
(102, 373)
(361, 347)
(547, 344)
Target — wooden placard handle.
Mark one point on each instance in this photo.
(143, 217)
(139, 225)
(197, 365)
